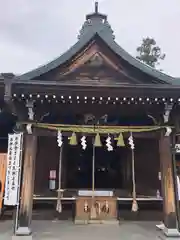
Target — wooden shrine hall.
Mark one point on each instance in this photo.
(99, 128)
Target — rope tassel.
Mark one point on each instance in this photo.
(120, 141)
(134, 206)
(97, 141)
(134, 203)
(59, 203)
(73, 139)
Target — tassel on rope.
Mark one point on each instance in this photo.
(97, 141)
(73, 139)
(93, 209)
(59, 203)
(134, 206)
(120, 141)
(134, 203)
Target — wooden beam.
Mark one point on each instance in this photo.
(27, 190)
(168, 186)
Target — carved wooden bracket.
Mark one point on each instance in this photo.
(167, 110)
(168, 131)
(8, 100)
(8, 91)
(30, 106)
(29, 128)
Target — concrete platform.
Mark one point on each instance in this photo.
(66, 230)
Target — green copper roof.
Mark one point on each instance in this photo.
(97, 24)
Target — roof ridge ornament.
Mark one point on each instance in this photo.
(96, 7)
(96, 22)
(96, 14)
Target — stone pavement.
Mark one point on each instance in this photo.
(66, 230)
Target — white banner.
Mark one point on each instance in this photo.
(52, 174)
(13, 169)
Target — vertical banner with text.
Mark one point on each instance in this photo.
(13, 169)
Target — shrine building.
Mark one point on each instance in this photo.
(99, 131)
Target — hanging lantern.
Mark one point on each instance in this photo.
(120, 141)
(97, 141)
(73, 139)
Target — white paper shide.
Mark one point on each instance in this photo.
(13, 169)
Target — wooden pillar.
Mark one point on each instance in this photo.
(168, 186)
(27, 189)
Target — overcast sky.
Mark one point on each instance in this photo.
(33, 32)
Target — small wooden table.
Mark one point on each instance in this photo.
(96, 209)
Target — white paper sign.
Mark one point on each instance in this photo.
(13, 169)
(52, 174)
(177, 147)
(95, 193)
